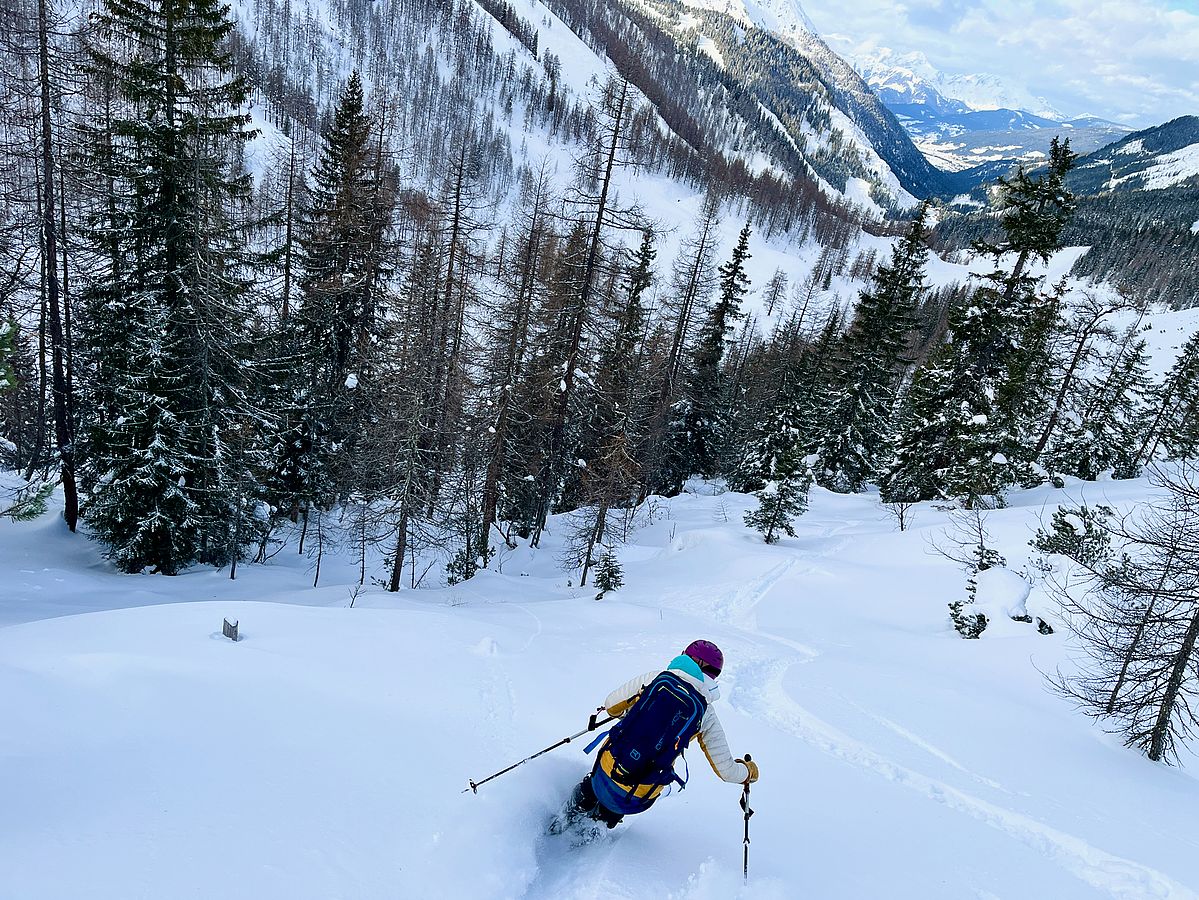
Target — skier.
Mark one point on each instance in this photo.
(660, 713)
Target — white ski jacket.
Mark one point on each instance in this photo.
(711, 734)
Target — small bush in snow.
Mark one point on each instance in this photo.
(1079, 533)
(969, 538)
(970, 625)
(472, 557)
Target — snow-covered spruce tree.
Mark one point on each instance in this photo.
(789, 427)
(949, 446)
(1033, 211)
(332, 334)
(1138, 621)
(1103, 438)
(609, 576)
(173, 404)
(1175, 408)
(783, 499)
(1079, 533)
(780, 434)
(699, 416)
(851, 437)
(965, 433)
(141, 506)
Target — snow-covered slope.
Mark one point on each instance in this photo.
(1150, 160)
(784, 17)
(325, 755)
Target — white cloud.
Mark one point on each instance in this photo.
(1132, 60)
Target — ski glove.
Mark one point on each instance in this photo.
(753, 770)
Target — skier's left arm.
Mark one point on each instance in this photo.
(716, 748)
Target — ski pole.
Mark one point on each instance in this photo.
(591, 726)
(748, 812)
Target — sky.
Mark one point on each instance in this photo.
(1130, 61)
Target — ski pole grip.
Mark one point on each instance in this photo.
(593, 722)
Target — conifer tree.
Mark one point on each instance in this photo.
(778, 435)
(172, 479)
(949, 446)
(609, 477)
(963, 436)
(331, 340)
(149, 461)
(783, 498)
(699, 417)
(1103, 438)
(609, 575)
(851, 436)
(1175, 410)
(1033, 212)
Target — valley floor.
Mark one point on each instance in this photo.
(324, 756)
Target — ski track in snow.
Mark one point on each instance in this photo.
(916, 741)
(1122, 879)
(765, 697)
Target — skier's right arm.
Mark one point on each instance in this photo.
(623, 697)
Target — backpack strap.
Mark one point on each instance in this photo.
(599, 738)
(682, 782)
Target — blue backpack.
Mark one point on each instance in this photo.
(657, 728)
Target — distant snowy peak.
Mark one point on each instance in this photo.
(783, 17)
(914, 79)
